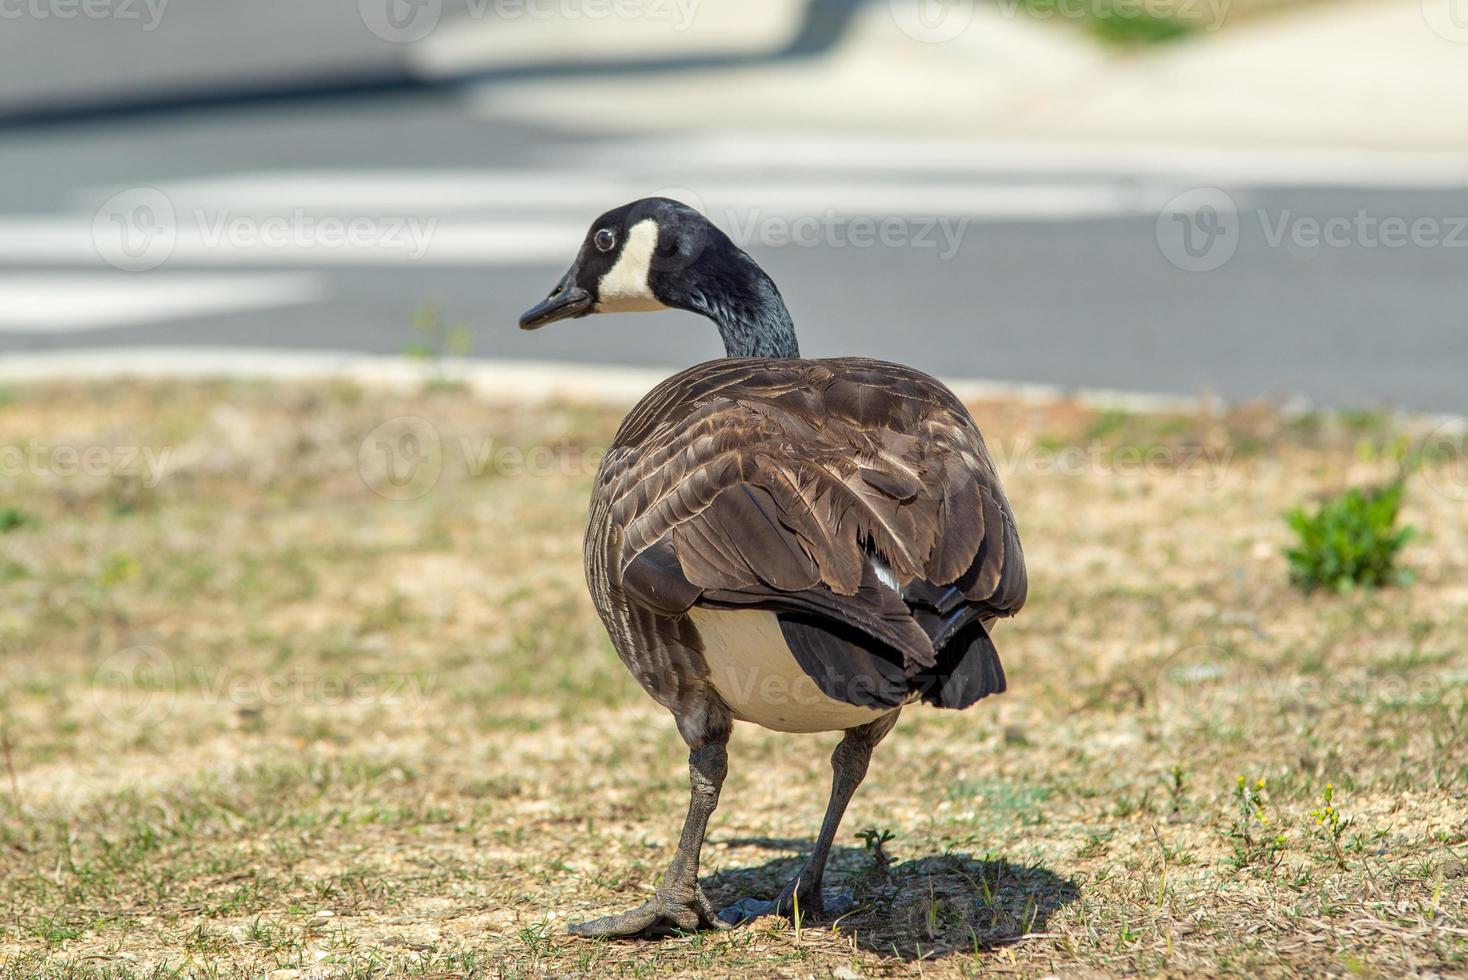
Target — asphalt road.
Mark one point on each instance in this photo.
(1065, 279)
(69, 55)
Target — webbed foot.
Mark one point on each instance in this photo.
(676, 908)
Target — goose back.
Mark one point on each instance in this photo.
(852, 497)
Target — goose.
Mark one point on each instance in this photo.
(808, 545)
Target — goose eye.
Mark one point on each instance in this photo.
(605, 239)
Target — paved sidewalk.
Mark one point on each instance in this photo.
(1381, 76)
(1384, 76)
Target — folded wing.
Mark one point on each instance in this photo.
(855, 499)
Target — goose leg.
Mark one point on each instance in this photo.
(679, 902)
(849, 767)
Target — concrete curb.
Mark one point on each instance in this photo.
(493, 379)
(544, 381)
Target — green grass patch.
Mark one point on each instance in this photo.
(1351, 539)
(271, 720)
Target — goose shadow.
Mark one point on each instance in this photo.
(919, 909)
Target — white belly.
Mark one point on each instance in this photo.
(757, 676)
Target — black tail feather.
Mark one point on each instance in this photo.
(845, 663)
(851, 666)
(968, 669)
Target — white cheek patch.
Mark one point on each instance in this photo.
(624, 288)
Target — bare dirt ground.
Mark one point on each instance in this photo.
(304, 682)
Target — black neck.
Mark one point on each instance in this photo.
(759, 332)
(748, 310)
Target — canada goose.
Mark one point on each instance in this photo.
(807, 545)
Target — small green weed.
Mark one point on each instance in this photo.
(1351, 540)
(875, 840)
(437, 341)
(1254, 843)
(1126, 25)
(1123, 25)
(1176, 782)
(12, 519)
(1330, 826)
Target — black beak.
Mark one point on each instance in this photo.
(565, 301)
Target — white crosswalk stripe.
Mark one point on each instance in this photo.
(578, 192)
(63, 302)
(161, 253)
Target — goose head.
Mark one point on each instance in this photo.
(658, 254)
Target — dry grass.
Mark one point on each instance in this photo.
(258, 717)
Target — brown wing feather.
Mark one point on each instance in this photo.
(770, 483)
